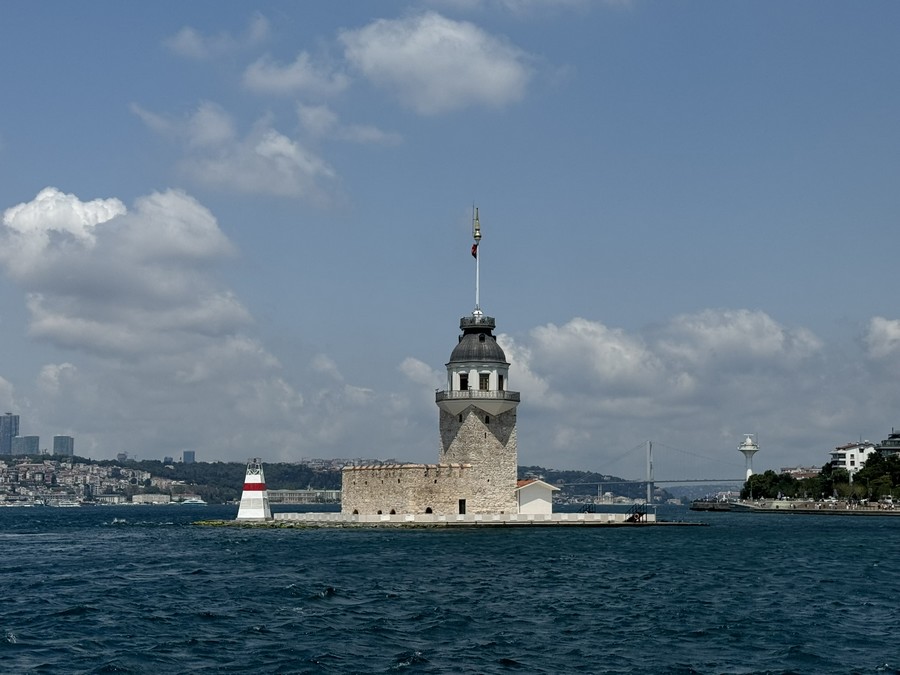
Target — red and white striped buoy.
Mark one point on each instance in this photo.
(254, 498)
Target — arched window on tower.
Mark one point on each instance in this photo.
(500, 382)
(463, 382)
(484, 381)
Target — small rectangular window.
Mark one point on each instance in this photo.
(484, 381)
(462, 507)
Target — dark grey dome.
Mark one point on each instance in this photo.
(477, 343)
(480, 347)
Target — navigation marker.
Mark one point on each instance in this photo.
(254, 498)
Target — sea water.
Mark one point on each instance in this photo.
(84, 592)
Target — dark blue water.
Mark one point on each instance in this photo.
(749, 594)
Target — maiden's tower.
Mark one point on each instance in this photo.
(475, 472)
(473, 480)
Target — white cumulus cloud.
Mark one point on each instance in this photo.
(590, 392)
(300, 77)
(421, 373)
(735, 337)
(435, 64)
(210, 126)
(589, 352)
(54, 376)
(158, 353)
(320, 121)
(265, 161)
(102, 279)
(191, 43)
(883, 337)
(51, 225)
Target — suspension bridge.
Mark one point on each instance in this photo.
(733, 469)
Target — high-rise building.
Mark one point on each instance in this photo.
(9, 429)
(188, 457)
(64, 445)
(26, 445)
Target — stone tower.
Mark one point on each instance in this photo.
(478, 411)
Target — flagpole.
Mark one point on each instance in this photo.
(476, 234)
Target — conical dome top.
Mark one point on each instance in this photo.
(477, 343)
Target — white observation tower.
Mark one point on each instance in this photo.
(749, 448)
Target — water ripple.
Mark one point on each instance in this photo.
(746, 595)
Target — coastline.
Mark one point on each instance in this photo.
(804, 507)
(422, 521)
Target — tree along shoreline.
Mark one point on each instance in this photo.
(222, 482)
(878, 478)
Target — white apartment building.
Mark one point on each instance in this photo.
(851, 456)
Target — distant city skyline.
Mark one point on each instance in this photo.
(246, 231)
(13, 442)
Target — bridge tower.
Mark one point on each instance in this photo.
(749, 448)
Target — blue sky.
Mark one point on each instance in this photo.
(244, 228)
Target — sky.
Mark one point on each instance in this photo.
(244, 229)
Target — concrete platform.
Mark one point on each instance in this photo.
(814, 508)
(431, 521)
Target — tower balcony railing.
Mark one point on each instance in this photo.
(477, 320)
(496, 394)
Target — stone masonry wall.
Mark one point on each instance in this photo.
(488, 443)
(407, 488)
(478, 463)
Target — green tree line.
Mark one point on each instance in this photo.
(879, 477)
(220, 482)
